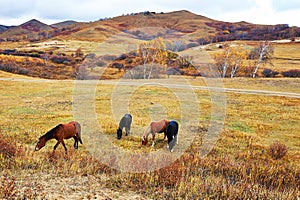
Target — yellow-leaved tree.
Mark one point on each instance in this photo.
(152, 52)
(230, 60)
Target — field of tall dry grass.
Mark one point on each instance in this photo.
(256, 155)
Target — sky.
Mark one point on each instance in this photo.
(16, 12)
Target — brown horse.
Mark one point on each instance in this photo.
(61, 132)
(155, 127)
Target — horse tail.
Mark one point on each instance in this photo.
(78, 130)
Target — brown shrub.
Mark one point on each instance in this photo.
(277, 150)
(6, 148)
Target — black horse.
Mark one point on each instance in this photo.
(172, 132)
(125, 122)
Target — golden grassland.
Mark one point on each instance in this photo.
(286, 57)
(239, 166)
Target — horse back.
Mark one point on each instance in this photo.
(159, 126)
(128, 116)
(125, 121)
(71, 129)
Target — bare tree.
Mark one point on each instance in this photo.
(175, 46)
(184, 61)
(178, 45)
(143, 49)
(263, 54)
(46, 57)
(225, 65)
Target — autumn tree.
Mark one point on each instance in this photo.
(151, 52)
(230, 60)
(238, 60)
(262, 55)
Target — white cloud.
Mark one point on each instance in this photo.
(262, 12)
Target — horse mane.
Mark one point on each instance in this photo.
(49, 134)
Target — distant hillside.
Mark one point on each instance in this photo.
(30, 30)
(35, 30)
(34, 26)
(4, 28)
(64, 24)
(108, 46)
(184, 25)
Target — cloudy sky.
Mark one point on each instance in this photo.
(15, 12)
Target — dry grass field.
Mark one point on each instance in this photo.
(256, 156)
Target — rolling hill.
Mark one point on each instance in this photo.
(178, 24)
(64, 24)
(54, 46)
(26, 31)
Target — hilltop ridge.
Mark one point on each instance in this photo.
(177, 24)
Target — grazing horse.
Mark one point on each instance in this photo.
(125, 122)
(172, 132)
(61, 132)
(155, 127)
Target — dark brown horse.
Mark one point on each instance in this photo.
(61, 132)
(155, 127)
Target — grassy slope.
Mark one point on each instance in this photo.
(286, 56)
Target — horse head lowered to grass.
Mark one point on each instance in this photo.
(61, 132)
(168, 127)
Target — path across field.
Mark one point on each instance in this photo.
(170, 85)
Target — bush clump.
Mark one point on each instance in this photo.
(277, 150)
(7, 149)
(293, 73)
(269, 73)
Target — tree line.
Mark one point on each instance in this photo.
(160, 56)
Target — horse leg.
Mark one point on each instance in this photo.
(75, 142)
(127, 130)
(63, 143)
(153, 140)
(55, 146)
(78, 138)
